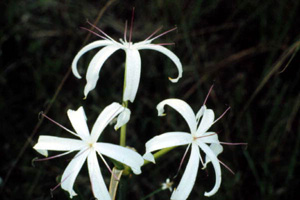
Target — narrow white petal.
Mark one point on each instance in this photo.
(200, 113)
(72, 170)
(189, 177)
(206, 121)
(121, 154)
(123, 118)
(149, 157)
(98, 185)
(133, 74)
(216, 165)
(88, 47)
(183, 108)
(168, 53)
(95, 66)
(108, 114)
(43, 152)
(165, 140)
(216, 149)
(53, 143)
(78, 121)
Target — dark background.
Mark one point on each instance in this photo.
(247, 49)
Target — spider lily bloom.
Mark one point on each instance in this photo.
(88, 148)
(198, 137)
(133, 60)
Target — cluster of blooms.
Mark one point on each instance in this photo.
(87, 143)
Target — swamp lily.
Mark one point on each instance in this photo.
(88, 148)
(132, 64)
(198, 138)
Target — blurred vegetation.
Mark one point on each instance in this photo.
(248, 49)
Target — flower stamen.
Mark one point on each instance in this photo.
(210, 89)
(93, 33)
(125, 31)
(54, 188)
(165, 44)
(222, 114)
(107, 166)
(131, 25)
(226, 167)
(181, 162)
(97, 28)
(58, 124)
(52, 157)
(233, 144)
(205, 136)
(153, 33)
(164, 33)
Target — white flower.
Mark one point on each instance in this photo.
(88, 148)
(133, 61)
(167, 185)
(197, 138)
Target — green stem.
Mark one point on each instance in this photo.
(159, 154)
(125, 104)
(123, 129)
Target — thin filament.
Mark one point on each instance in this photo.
(52, 157)
(107, 36)
(181, 162)
(52, 189)
(210, 89)
(206, 135)
(153, 33)
(222, 114)
(109, 169)
(94, 33)
(59, 124)
(125, 31)
(165, 44)
(164, 33)
(226, 167)
(131, 25)
(233, 144)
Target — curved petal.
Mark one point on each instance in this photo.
(78, 121)
(72, 170)
(200, 113)
(88, 47)
(108, 114)
(168, 53)
(133, 74)
(183, 108)
(216, 165)
(121, 154)
(53, 143)
(206, 121)
(123, 118)
(98, 185)
(165, 140)
(189, 177)
(216, 149)
(95, 66)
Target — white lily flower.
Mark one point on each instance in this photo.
(133, 60)
(88, 148)
(197, 138)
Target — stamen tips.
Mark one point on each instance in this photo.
(41, 115)
(33, 160)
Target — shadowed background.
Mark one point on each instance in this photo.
(247, 49)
